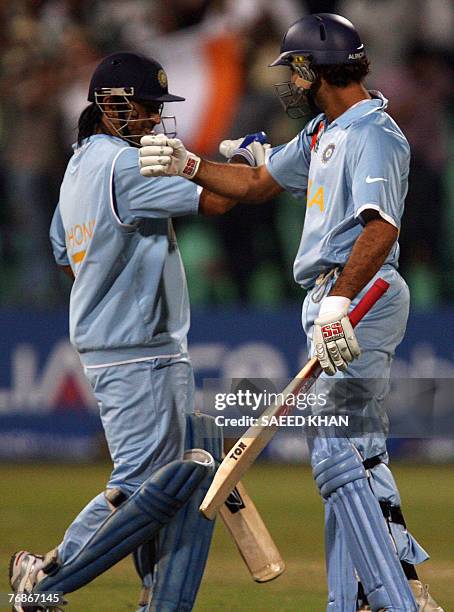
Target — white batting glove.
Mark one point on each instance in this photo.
(334, 339)
(162, 156)
(252, 147)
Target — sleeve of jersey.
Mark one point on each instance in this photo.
(289, 165)
(137, 197)
(378, 161)
(57, 238)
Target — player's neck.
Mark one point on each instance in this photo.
(105, 127)
(337, 100)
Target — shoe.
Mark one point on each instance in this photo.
(420, 591)
(22, 577)
(425, 602)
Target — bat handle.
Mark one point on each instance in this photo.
(368, 300)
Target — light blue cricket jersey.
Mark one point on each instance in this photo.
(359, 161)
(113, 227)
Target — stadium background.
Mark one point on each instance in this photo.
(244, 301)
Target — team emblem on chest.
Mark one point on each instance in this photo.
(328, 153)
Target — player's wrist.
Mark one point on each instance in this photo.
(334, 304)
(191, 166)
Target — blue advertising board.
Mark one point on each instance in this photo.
(47, 409)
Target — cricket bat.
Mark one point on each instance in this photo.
(251, 536)
(249, 446)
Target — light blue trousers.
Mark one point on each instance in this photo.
(360, 391)
(142, 407)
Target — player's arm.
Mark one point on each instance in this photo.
(57, 238)
(249, 152)
(368, 255)
(334, 340)
(169, 157)
(211, 204)
(238, 182)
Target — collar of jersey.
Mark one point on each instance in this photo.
(361, 109)
(85, 141)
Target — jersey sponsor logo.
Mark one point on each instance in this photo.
(78, 256)
(76, 236)
(370, 179)
(328, 153)
(315, 197)
(79, 234)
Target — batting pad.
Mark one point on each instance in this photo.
(136, 521)
(342, 479)
(342, 582)
(184, 544)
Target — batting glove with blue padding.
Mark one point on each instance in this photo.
(253, 148)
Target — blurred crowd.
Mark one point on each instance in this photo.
(216, 54)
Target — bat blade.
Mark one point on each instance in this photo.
(251, 536)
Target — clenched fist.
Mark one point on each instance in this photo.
(162, 156)
(334, 340)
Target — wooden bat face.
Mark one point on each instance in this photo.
(251, 536)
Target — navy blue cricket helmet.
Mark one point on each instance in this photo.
(325, 37)
(132, 74)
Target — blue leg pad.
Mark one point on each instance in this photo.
(136, 521)
(184, 544)
(342, 479)
(342, 582)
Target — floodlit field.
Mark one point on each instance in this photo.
(39, 502)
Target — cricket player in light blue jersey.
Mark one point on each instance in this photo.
(349, 166)
(129, 316)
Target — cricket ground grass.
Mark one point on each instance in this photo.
(38, 502)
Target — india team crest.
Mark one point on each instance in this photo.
(328, 153)
(162, 78)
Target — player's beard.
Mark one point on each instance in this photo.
(310, 94)
(299, 102)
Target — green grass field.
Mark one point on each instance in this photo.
(39, 502)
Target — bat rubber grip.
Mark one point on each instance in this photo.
(379, 287)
